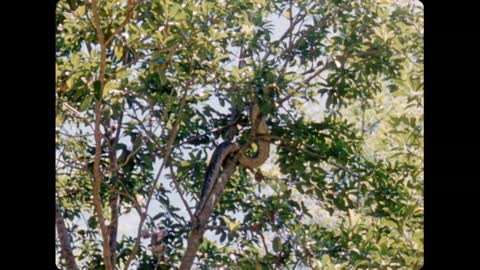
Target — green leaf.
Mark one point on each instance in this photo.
(86, 103)
(254, 147)
(80, 11)
(277, 244)
(57, 72)
(118, 51)
(184, 163)
(70, 81)
(325, 259)
(389, 223)
(169, 125)
(172, 11)
(97, 90)
(76, 61)
(109, 86)
(204, 8)
(157, 216)
(234, 226)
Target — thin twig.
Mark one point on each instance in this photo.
(77, 113)
(148, 134)
(125, 21)
(233, 122)
(132, 154)
(263, 242)
(299, 18)
(173, 132)
(225, 228)
(306, 81)
(177, 186)
(172, 137)
(130, 197)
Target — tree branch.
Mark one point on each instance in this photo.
(306, 81)
(115, 204)
(263, 242)
(173, 132)
(191, 139)
(66, 245)
(253, 228)
(125, 21)
(288, 32)
(179, 190)
(199, 223)
(172, 136)
(130, 156)
(98, 142)
(130, 197)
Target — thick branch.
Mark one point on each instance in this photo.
(97, 202)
(113, 227)
(199, 224)
(98, 142)
(65, 244)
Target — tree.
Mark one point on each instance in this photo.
(145, 91)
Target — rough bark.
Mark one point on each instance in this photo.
(65, 244)
(199, 223)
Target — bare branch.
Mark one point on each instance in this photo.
(179, 190)
(306, 81)
(70, 108)
(288, 32)
(132, 154)
(130, 197)
(263, 242)
(98, 143)
(172, 136)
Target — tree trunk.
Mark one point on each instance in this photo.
(113, 227)
(200, 222)
(65, 244)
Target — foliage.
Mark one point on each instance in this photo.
(341, 84)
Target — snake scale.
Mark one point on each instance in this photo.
(260, 135)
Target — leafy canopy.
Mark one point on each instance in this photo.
(341, 84)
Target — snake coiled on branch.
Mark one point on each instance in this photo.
(259, 135)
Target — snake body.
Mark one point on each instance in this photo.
(260, 135)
